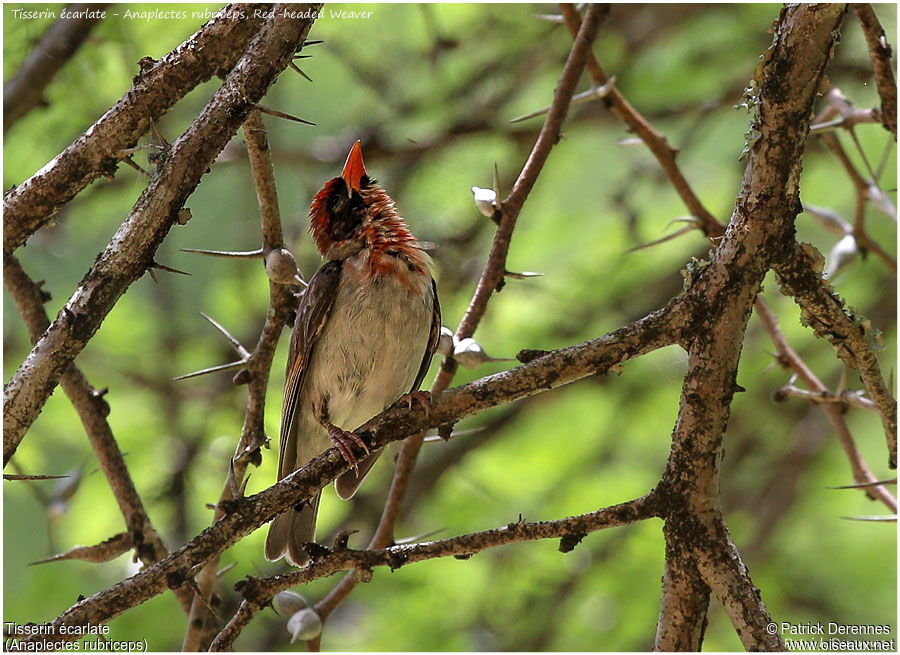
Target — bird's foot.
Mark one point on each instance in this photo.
(342, 439)
(421, 397)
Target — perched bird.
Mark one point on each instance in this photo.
(366, 328)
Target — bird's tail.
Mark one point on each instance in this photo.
(290, 530)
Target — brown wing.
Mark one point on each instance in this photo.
(315, 307)
(433, 338)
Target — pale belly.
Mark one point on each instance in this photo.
(370, 350)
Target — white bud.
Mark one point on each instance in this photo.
(841, 255)
(281, 267)
(289, 602)
(304, 625)
(485, 200)
(445, 342)
(470, 354)
(828, 220)
(881, 201)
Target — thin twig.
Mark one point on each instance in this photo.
(655, 141)
(789, 357)
(844, 398)
(25, 89)
(880, 51)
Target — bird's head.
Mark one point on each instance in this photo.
(351, 212)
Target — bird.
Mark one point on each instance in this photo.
(365, 331)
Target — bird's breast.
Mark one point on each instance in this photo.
(371, 348)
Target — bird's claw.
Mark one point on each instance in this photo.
(421, 397)
(342, 440)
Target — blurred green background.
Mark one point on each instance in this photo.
(431, 91)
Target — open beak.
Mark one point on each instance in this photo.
(354, 168)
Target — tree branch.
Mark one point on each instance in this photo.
(92, 409)
(130, 252)
(789, 357)
(853, 338)
(880, 51)
(722, 294)
(213, 50)
(245, 515)
(258, 592)
(26, 89)
(654, 140)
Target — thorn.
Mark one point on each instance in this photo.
(523, 275)
(159, 137)
(229, 254)
(435, 438)
(128, 160)
(873, 519)
(23, 476)
(413, 539)
(211, 369)
(863, 485)
(222, 572)
(668, 237)
(280, 114)
(238, 348)
(550, 18)
(497, 195)
(683, 219)
(297, 68)
(594, 93)
(313, 42)
(232, 481)
(169, 269)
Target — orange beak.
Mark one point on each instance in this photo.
(354, 168)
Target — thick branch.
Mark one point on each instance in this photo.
(26, 89)
(130, 252)
(724, 571)
(683, 606)
(211, 51)
(761, 229)
(258, 592)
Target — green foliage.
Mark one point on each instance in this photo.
(432, 89)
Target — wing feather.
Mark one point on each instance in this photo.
(433, 336)
(313, 313)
